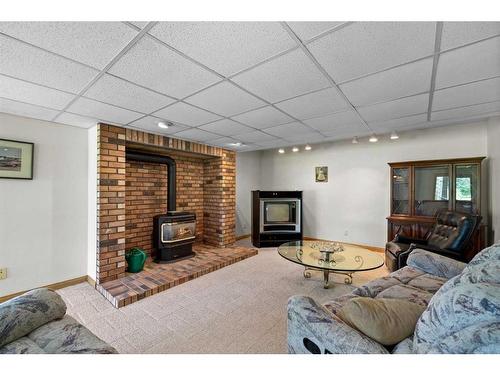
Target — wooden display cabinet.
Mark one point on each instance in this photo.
(420, 188)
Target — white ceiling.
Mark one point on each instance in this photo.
(264, 84)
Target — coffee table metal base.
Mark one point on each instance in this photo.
(326, 275)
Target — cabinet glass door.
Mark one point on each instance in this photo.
(432, 189)
(466, 188)
(400, 191)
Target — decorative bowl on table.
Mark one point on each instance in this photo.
(327, 246)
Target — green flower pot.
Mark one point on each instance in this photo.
(135, 260)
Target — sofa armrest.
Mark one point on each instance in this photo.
(409, 240)
(435, 264)
(312, 329)
(21, 315)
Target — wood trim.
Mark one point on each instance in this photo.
(242, 237)
(372, 248)
(59, 285)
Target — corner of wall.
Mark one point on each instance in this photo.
(92, 202)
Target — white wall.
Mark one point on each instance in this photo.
(43, 222)
(353, 205)
(247, 179)
(494, 174)
(92, 203)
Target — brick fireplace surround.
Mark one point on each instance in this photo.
(130, 193)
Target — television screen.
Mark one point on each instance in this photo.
(278, 212)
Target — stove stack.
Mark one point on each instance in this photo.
(175, 231)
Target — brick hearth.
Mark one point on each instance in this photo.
(130, 193)
(156, 278)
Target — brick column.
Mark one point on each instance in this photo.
(219, 199)
(110, 203)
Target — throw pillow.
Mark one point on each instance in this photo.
(385, 320)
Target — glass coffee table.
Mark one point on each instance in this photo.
(330, 257)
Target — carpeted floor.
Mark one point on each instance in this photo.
(237, 309)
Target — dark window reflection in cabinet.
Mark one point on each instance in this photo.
(432, 189)
(400, 191)
(466, 183)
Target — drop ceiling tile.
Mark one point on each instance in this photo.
(121, 93)
(274, 143)
(76, 120)
(151, 64)
(341, 134)
(368, 47)
(284, 77)
(315, 104)
(225, 99)
(32, 64)
(412, 105)
(263, 117)
(308, 30)
(472, 93)
(339, 120)
(196, 135)
(226, 47)
(226, 127)
(305, 138)
(456, 34)
(26, 110)
(291, 129)
(102, 111)
(92, 43)
(405, 80)
(22, 91)
(403, 123)
(222, 142)
(467, 64)
(254, 137)
(186, 114)
(486, 109)
(150, 123)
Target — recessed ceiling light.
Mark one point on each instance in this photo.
(373, 139)
(355, 140)
(307, 148)
(281, 150)
(236, 144)
(163, 125)
(394, 135)
(295, 149)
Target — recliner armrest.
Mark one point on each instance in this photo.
(313, 329)
(409, 240)
(435, 264)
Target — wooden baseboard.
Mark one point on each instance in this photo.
(59, 285)
(372, 248)
(242, 237)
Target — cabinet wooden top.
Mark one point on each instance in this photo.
(477, 160)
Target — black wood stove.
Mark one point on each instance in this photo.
(175, 231)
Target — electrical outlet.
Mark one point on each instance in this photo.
(3, 273)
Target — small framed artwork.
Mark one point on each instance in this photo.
(16, 159)
(321, 174)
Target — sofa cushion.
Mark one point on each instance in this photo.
(21, 315)
(429, 283)
(372, 317)
(464, 315)
(24, 345)
(66, 335)
(404, 347)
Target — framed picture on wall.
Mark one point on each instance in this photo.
(321, 174)
(16, 159)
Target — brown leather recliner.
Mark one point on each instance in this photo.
(450, 237)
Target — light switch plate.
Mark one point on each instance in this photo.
(3, 273)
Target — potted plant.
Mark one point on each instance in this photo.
(135, 258)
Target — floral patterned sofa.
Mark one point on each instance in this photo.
(36, 323)
(462, 309)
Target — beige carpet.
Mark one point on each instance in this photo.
(237, 309)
